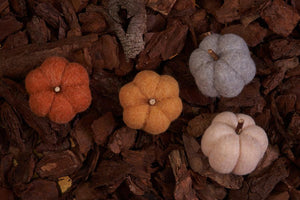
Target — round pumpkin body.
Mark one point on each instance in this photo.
(222, 65)
(58, 89)
(229, 152)
(150, 102)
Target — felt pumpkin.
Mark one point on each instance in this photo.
(222, 65)
(58, 89)
(150, 102)
(233, 143)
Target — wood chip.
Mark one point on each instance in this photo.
(122, 139)
(164, 7)
(40, 189)
(103, 127)
(11, 26)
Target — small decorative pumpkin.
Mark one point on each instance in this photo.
(233, 143)
(58, 89)
(222, 65)
(150, 102)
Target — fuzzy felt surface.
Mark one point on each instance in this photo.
(135, 96)
(229, 152)
(226, 76)
(74, 95)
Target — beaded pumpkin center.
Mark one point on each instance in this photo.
(152, 102)
(57, 89)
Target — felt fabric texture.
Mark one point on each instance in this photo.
(226, 76)
(229, 152)
(74, 95)
(135, 96)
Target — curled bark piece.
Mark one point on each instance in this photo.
(131, 39)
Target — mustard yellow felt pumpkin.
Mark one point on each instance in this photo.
(150, 102)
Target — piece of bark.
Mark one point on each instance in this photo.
(6, 164)
(23, 171)
(92, 22)
(280, 17)
(11, 26)
(52, 16)
(188, 88)
(183, 188)
(282, 48)
(55, 165)
(199, 21)
(164, 7)
(163, 46)
(132, 38)
(260, 186)
(199, 124)
(71, 18)
(16, 97)
(200, 164)
(86, 191)
(4, 6)
(12, 125)
(249, 97)
(294, 126)
(211, 5)
(103, 127)
(125, 65)
(83, 133)
(253, 34)
(61, 145)
(105, 53)
(19, 6)
(155, 22)
(165, 182)
(16, 40)
(37, 30)
(79, 4)
(40, 189)
(18, 62)
(272, 81)
(6, 194)
(286, 103)
(183, 8)
(291, 86)
(287, 64)
(280, 196)
(122, 139)
(228, 12)
(111, 174)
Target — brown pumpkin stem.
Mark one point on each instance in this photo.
(213, 54)
(152, 102)
(239, 126)
(56, 89)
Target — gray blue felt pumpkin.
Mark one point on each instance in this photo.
(222, 65)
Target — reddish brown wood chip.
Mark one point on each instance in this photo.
(6, 194)
(229, 11)
(55, 165)
(281, 17)
(19, 6)
(79, 4)
(259, 187)
(122, 139)
(11, 26)
(162, 6)
(272, 81)
(286, 103)
(40, 189)
(92, 22)
(199, 124)
(284, 48)
(162, 46)
(103, 127)
(253, 34)
(38, 31)
(4, 6)
(16, 40)
(292, 86)
(105, 53)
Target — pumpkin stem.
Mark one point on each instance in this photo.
(213, 54)
(152, 102)
(239, 126)
(57, 89)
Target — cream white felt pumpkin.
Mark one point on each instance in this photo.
(233, 143)
(222, 65)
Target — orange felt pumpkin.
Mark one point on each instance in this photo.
(151, 102)
(58, 89)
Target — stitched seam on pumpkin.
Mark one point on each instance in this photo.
(214, 75)
(235, 71)
(157, 87)
(237, 161)
(164, 114)
(63, 73)
(146, 117)
(139, 89)
(51, 104)
(67, 99)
